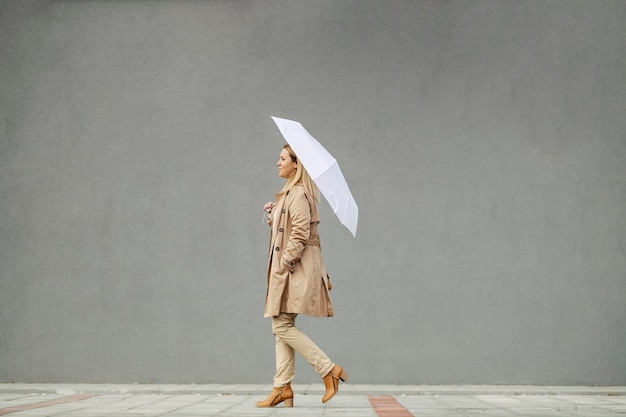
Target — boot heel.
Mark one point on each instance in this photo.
(288, 402)
(344, 376)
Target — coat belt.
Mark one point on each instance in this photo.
(314, 241)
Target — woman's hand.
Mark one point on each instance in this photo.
(269, 207)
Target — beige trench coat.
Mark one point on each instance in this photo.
(294, 245)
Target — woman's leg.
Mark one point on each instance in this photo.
(285, 363)
(285, 371)
(285, 367)
(290, 338)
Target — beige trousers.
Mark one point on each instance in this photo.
(290, 339)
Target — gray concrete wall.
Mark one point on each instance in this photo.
(484, 141)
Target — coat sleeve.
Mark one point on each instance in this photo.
(300, 218)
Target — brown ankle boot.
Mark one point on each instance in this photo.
(331, 381)
(277, 396)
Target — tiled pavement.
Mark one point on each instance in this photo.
(90, 400)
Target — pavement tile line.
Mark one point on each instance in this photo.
(387, 406)
(41, 404)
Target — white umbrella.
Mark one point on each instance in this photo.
(323, 169)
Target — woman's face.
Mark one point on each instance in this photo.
(286, 167)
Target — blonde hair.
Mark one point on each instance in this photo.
(301, 176)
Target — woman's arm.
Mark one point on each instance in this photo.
(300, 217)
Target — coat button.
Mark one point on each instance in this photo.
(277, 248)
(280, 230)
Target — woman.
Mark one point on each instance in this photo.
(297, 282)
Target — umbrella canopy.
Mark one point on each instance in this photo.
(323, 169)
